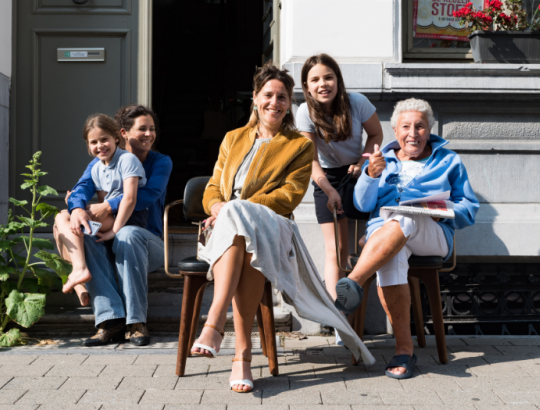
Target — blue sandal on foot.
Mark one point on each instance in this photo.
(349, 295)
(404, 361)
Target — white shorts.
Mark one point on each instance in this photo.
(426, 238)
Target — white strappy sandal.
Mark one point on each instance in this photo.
(212, 351)
(245, 382)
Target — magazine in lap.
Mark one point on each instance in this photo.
(436, 206)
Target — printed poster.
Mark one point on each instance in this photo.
(434, 19)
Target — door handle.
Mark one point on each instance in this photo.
(80, 1)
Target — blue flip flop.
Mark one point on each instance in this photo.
(404, 361)
(349, 295)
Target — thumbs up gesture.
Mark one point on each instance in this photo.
(377, 163)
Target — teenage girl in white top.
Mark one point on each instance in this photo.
(334, 121)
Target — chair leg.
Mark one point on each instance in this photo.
(414, 286)
(267, 311)
(431, 280)
(191, 285)
(261, 330)
(359, 318)
(196, 316)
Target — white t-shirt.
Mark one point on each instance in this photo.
(242, 172)
(110, 178)
(409, 170)
(338, 154)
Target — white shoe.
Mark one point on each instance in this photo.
(339, 342)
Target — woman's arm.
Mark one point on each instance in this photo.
(212, 193)
(318, 175)
(374, 137)
(127, 206)
(287, 197)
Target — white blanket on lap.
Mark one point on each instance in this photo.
(280, 254)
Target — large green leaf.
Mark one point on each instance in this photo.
(5, 245)
(31, 223)
(16, 202)
(46, 190)
(25, 308)
(12, 228)
(4, 277)
(56, 263)
(44, 277)
(8, 286)
(39, 243)
(7, 269)
(47, 210)
(10, 338)
(26, 185)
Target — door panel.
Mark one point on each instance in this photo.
(91, 7)
(52, 99)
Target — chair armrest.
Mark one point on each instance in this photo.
(336, 234)
(454, 259)
(166, 237)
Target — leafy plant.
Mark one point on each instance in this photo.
(22, 298)
(498, 16)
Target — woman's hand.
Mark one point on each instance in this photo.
(356, 169)
(209, 222)
(216, 208)
(105, 236)
(79, 217)
(377, 163)
(334, 198)
(99, 212)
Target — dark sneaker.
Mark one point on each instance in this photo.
(138, 334)
(106, 334)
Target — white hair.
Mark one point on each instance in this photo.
(413, 104)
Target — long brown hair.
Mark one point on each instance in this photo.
(340, 129)
(267, 73)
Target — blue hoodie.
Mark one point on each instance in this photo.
(442, 172)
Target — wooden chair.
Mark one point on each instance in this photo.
(194, 273)
(424, 268)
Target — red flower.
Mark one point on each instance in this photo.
(468, 4)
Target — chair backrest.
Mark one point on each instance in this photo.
(193, 195)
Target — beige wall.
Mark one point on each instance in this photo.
(5, 37)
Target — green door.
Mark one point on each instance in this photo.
(71, 60)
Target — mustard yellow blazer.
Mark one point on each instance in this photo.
(278, 177)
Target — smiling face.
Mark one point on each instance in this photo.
(101, 144)
(141, 136)
(272, 104)
(412, 133)
(322, 84)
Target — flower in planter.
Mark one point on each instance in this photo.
(493, 18)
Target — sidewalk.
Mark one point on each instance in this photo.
(483, 373)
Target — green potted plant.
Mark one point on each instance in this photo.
(24, 283)
(502, 32)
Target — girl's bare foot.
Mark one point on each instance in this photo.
(76, 277)
(209, 337)
(82, 293)
(241, 370)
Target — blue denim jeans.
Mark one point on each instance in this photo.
(133, 254)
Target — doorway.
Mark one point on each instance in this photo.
(205, 53)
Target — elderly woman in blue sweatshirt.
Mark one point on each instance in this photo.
(414, 166)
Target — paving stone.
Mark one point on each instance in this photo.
(4, 380)
(502, 370)
(142, 370)
(26, 370)
(323, 407)
(486, 341)
(201, 382)
(173, 397)
(445, 371)
(17, 407)
(473, 360)
(438, 407)
(318, 384)
(410, 397)
(292, 370)
(135, 407)
(434, 383)
(17, 359)
(507, 407)
(112, 397)
(533, 341)
(376, 370)
(30, 383)
(374, 384)
(469, 397)
(352, 372)
(261, 407)
(484, 383)
(92, 383)
(450, 341)
(110, 359)
(533, 351)
(51, 397)
(475, 349)
(92, 370)
(231, 397)
(304, 396)
(308, 343)
(519, 398)
(271, 383)
(10, 396)
(350, 397)
(336, 351)
(204, 407)
(168, 370)
(61, 359)
(67, 406)
(383, 407)
(158, 359)
(501, 359)
(147, 383)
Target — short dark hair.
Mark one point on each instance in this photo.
(126, 116)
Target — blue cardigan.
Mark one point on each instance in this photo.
(158, 169)
(443, 171)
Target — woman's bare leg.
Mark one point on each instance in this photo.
(73, 246)
(227, 272)
(331, 272)
(245, 302)
(382, 246)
